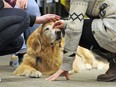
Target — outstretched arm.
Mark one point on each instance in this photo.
(72, 36)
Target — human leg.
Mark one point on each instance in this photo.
(36, 12)
(22, 50)
(12, 24)
(32, 9)
(13, 47)
(88, 41)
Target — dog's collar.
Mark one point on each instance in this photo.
(38, 60)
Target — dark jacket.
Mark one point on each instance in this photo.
(32, 17)
(1, 4)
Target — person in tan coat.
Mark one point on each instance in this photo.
(98, 33)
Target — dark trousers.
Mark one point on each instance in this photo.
(87, 39)
(13, 22)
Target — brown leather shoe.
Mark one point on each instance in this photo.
(110, 74)
(107, 77)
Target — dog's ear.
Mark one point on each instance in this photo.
(33, 43)
(36, 45)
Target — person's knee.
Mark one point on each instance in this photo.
(19, 43)
(23, 15)
(13, 47)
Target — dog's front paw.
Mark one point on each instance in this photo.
(71, 72)
(36, 74)
(32, 74)
(88, 66)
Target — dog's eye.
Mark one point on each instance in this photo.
(46, 29)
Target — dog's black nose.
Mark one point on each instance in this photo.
(62, 31)
(58, 35)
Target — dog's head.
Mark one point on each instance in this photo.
(44, 35)
(50, 35)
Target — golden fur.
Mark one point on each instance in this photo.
(39, 46)
(86, 59)
(50, 55)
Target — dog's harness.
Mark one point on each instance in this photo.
(38, 60)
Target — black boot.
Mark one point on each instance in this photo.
(110, 74)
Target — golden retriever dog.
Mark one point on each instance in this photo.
(44, 54)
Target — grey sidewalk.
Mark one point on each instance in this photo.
(85, 78)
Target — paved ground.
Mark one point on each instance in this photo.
(85, 78)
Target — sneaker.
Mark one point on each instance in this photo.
(14, 60)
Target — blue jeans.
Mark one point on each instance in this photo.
(13, 22)
(32, 9)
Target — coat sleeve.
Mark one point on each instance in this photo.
(1, 4)
(73, 31)
(32, 20)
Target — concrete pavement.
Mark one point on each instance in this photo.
(85, 78)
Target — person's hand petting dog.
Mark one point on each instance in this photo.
(59, 24)
(47, 18)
